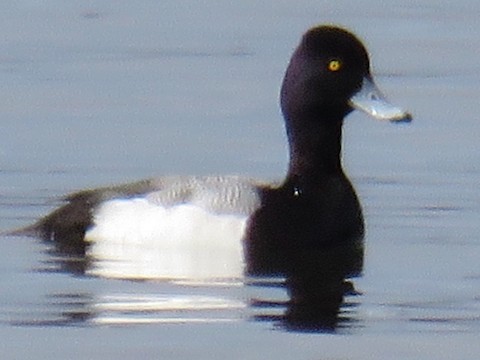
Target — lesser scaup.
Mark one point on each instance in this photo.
(217, 227)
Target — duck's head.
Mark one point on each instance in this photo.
(329, 76)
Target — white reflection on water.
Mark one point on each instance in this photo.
(123, 309)
(126, 309)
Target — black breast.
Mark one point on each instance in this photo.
(307, 229)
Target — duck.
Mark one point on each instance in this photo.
(184, 227)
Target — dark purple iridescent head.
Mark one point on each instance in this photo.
(326, 69)
(326, 74)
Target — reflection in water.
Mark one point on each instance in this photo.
(124, 309)
(87, 309)
(321, 318)
(306, 299)
(59, 310)
(316, 288)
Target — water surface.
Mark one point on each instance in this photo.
(99, 92)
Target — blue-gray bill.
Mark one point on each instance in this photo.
(370, 100)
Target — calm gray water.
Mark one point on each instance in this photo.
(100, 92)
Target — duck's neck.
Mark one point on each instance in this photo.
(315, 148)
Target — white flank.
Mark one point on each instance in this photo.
(138, 239)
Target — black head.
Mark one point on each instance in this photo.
(329, 75)
(327, 68)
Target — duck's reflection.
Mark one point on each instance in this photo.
(317, 288)
(311, 297)
(326, 315)
(122, 309)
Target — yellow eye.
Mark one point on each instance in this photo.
(334, 65)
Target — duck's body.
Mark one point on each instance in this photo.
(184, 227)
(203, 227)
